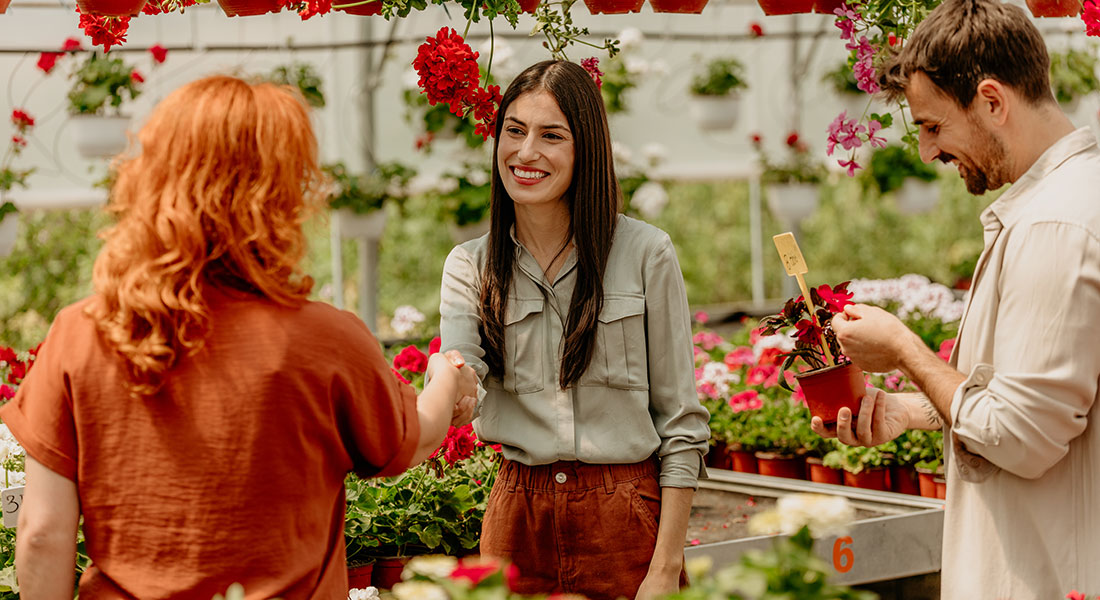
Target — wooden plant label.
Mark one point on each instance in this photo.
(790, 254)
(11, 500)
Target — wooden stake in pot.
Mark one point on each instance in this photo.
(795, 265)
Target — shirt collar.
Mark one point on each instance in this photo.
(1005, 208)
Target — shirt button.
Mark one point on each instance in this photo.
(560, 478)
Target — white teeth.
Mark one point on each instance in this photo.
(530, 174)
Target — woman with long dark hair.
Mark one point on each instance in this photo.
(198, 410)
(576, 319)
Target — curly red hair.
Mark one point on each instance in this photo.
(226, 174)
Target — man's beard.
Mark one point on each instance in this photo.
(987, 171)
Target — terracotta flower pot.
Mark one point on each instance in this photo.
(387, 572)
(1054, 8)
(692, 7)
(786, 7)
(828, 390)
(819, 473)
(903, 480)
(613, 7)
(941, 486)
(826, 7)
(926, 481)
(742, 461)
(248, 8)
(364, 10)
(360, 577)
(780, 465)
(868, 479)
(110, 8)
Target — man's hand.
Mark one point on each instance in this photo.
(882, 417)
(871, 337)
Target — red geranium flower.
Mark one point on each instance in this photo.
(1075, 595)
(7, 355)
(313, 8)
(137, 76)
(945, 349)
(159, 53)
(18, 371)
(1090, 14)
(105, 31)
(399, 376)
(21, 119)
(792, 139)
(6, 393)
(756, 30)
(475, 571)
(47, 61)
(71, 45)
(411, 359)
(837, 298)
(458, 445)
(740, 357)
(808, 331)
(19, 141)
(433, 346)
(447, 67)
(592, 65)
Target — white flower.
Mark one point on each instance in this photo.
(784, 341)
(824, 515)
(368, 593)
(418, 590)
(630, 39)
(423, 183)
(405, 320)
(636, 66)
(654, 153)
(621, 153)
(718, 375)
(438, 566)
(477, 177)
(650, 199)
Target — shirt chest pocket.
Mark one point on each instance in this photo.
(620, 356)
(525, 345)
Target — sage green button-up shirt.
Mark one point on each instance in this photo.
(638, 395)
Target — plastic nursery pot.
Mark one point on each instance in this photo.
(786, 7)
(1054, 8)
(714, 113)
(826, 7)
(248, 8)
(903, 480)
(868, 479)
(828, 390)
(692, 7)
(941, 486)
(359, 577)
(926, 482)
(528, 6)
(4, 6)
(387, 572)
(613, 7)
(96, 136)
(374, 7)
(742, 461)
(780, 465)
(819, 473)
(110, 8)
(717, 457)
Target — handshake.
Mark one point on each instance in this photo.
(451, 366)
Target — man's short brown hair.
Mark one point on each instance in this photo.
(962, 42)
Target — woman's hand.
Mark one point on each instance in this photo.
(657, 584)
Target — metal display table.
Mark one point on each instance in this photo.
(894, 536)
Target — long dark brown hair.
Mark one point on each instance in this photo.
(594, 201)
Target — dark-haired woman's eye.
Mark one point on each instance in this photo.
(514, 131)
(553, 136)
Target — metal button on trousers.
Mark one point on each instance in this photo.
(560, 477)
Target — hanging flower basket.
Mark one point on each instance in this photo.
(792, 202)
(832, 388)
(111, 8)
(529, 6)
(916, 197)
(826, 7)
(613, 7)
(691, 7)
(715, 113)
(4, 6)
(248, 8)
(1054, 8)
(354, 225)
(98, 136)
(374, 7)
(786, 7)
(9, 231)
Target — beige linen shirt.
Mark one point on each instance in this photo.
(638, 395)
(1023, 470)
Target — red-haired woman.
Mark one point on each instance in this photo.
(577, 320)
(197, 410)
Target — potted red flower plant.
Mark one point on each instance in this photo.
(832, 381)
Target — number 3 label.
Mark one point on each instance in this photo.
(843, 558)
(11, 500)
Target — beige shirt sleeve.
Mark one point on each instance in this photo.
(1022, 411)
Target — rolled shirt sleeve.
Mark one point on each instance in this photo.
(1022, 411)
(678, 416)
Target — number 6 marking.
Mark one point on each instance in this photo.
(843, 558)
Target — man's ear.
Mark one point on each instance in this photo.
(992, 101)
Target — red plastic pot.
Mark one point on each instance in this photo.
(691, 7)
(819, 473)
(387, 572)
(4, 6)
(360, 577)
(742, 461)
(248, 8)
(926, 481)
(941, 486)
(110, 8)
(826, 7)
(780, 465)
(828, 390)
(613, 7)
(528, 6)
(717, 456)
(903, 480)
(868, 479)
(364, 10)
(786, 7)
(1054, 8)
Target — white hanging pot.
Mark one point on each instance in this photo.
(9, 230)
(353, 225)
(97, 136)
(465, 233)
(916, 196)
(792, 202)
(715, 113)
